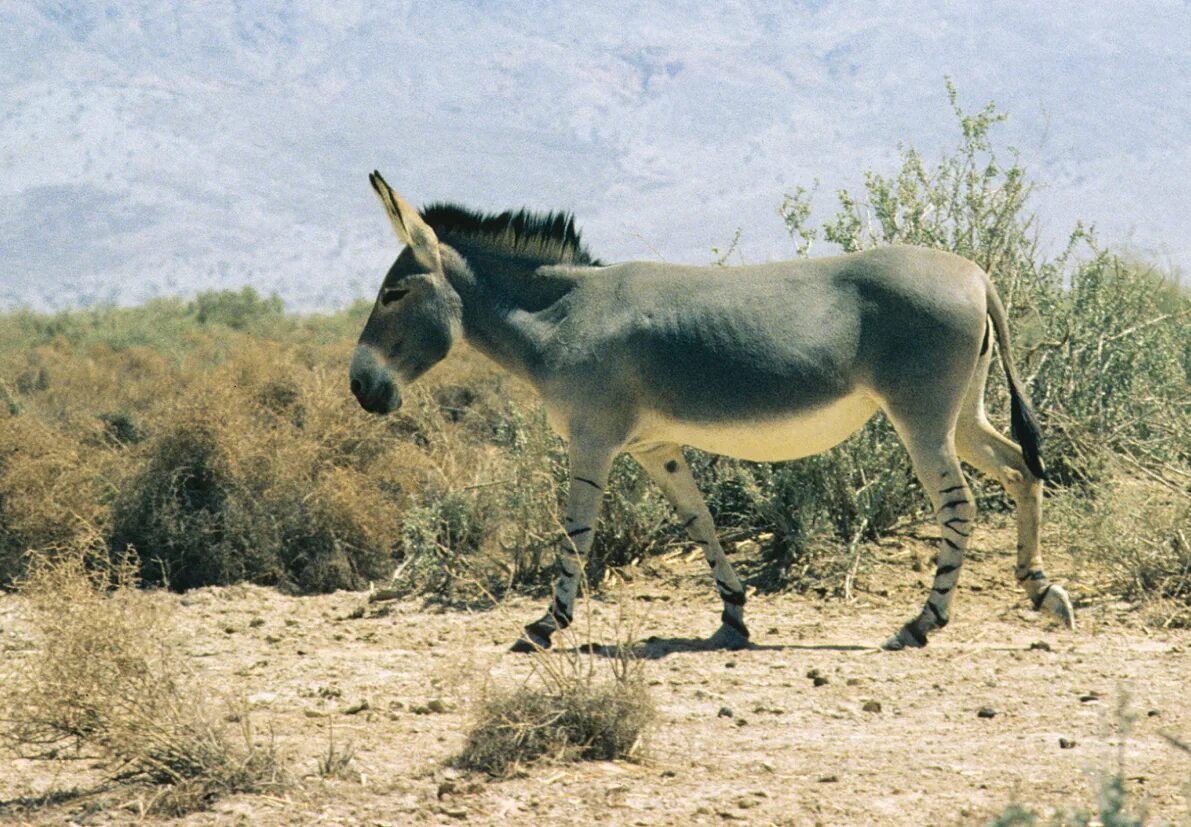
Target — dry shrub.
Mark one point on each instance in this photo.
(233, 488)
(106, 679)
(1136, 536)
(568, 710)
(52, 490)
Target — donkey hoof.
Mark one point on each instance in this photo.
(530, 641)
(904, 639)
(730, 638)
(1058, 604)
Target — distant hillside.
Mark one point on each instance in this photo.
(152, 147)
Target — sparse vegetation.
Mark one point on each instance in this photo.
(106, 680)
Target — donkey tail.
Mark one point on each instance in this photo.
(1023, 421)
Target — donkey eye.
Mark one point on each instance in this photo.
(393, 294)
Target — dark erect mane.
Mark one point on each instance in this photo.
(551, 236)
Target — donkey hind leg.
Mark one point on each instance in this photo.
(992, 454)
(589, 475)
(938, 469)
(666, 465)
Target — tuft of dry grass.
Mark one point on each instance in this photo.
(579, 703)
(1135, 536)
(105, 680)
(592, 720)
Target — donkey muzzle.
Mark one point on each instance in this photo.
(372, 385)
(376, 395)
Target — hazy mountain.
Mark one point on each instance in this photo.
(150, 147)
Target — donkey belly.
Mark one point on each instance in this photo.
(766, 440)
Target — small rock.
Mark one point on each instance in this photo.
(455, 812)
(256, 623)
(813, 673)
(1041, 646)
(746, 803)
(1066, 743)
(725, 712)
(828, 779)
(439, 706)
(986, 712)
(820, 680)
(357, 708)
(730, 664)
(446, 788)
(741, 722)
(853, 682)
(1153, 713)
(1091, 697)
(871, 706)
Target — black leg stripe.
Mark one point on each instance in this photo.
(690, 522)
(575, 532)
(953, 545)
(1041, 596)
(941, 589)
(941, 570)
(940, 621)
(956, 531)
(594, 485)
(953, 504)
(734, 598)
(1032, 574)
(952, 489)
(916, 632)
(957, 520)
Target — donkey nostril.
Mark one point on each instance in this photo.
(357, 386)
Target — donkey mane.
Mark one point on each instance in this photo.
(550, 236)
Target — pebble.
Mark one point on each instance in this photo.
(1041, 646)
(871, 706)
(986, 712)
(1066, 743)
(725, 712)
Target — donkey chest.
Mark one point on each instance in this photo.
(767, 439)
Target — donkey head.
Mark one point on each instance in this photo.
(416, 317)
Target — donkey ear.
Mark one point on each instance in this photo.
(411, 229)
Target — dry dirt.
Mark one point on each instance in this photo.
(790, 753)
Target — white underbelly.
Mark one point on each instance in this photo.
(766, 440)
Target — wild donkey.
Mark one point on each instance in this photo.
(766, 362)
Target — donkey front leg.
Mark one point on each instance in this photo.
(666, 465)
(590, 466)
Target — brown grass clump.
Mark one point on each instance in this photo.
(1136, 534)
(572, 714)
(52, 490)
(106, 680)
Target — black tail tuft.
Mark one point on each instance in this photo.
(1026, 432)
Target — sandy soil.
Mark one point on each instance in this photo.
(790, 753)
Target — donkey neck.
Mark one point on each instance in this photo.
(511, 304)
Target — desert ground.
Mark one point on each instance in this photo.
(1003, 706)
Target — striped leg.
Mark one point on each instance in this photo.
(589, 475)
(938, 470)
(994, 455)
(666, 465)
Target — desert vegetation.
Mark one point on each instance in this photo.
(207, 442)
